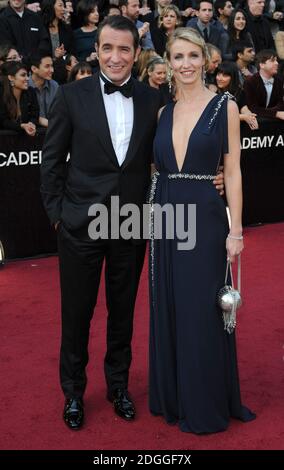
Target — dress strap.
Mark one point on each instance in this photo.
(225, 97)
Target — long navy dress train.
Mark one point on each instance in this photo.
(193, 364)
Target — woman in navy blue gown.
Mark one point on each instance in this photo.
(193, 364)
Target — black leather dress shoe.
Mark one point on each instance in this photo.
(122, 403)
(73, 413)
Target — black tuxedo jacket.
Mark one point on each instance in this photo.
(78, 124)
(255, 96)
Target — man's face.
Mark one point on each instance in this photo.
(227, 10)
(205, 12)
(17, 5)
(248, 55)
(256, 7)
(270, 67)
(131, 10)
(45, 69)
(215, 61)
(116, 54)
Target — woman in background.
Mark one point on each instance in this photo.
(237, 31)
(141, 64)
(86, 36)
(228, 79)
(156, 77)
(169, 20)
(60, 34)
(19, 110)
(8, 53)
(80, 70)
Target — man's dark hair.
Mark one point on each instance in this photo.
(37, 58)
(122, 3)
(121, 24)
(219, 4)
(264, 55)
(197, 5)
(239, 48)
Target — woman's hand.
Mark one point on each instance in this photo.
(91, 57)
(29, 128)
(144, 29)
(251, 120)
(60, 51)
(234, 248)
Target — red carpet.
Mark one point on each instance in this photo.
(31, 400)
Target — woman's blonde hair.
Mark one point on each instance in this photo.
(151, 64)
(155, 61)
(143, 59)
(166, 10)
(189, 35)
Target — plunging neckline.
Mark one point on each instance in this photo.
(190, 135)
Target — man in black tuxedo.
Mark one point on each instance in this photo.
(107, 123)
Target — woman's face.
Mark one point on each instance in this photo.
(223, 80)
(239, 21)
(83, 74)
(14, 56)
(59, 9)
(20, 80)
(93, 17)
(159, 74)
(170, 20)
(187, 61)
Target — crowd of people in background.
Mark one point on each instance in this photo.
(48, 43)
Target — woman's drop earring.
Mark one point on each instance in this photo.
(170, 75)
(203, 76)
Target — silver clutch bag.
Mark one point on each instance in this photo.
(229, 299)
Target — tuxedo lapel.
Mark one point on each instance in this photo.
(96, 115)
(260, 90)
(276, 93)
(138, 122)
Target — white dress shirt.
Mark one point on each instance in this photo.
(120, 116)
(268, 84)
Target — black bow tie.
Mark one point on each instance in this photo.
(126, 89)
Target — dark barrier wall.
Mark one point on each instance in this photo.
(24, 227)
(262, 162)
